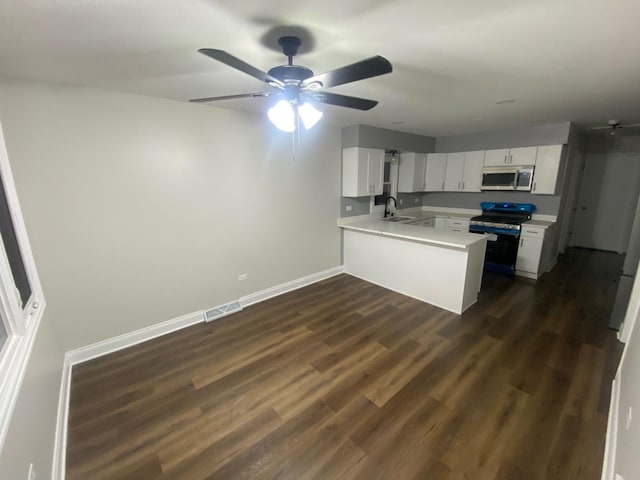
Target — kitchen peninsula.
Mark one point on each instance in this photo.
(440, 267)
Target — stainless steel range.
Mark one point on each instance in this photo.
(501, 222)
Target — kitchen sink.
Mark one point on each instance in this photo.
(397, 219)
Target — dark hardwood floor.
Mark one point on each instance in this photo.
(347, 380)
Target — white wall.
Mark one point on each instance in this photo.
(31, 432)
(140, 210)
(627, 461)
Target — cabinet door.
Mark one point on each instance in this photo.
(411, 177)
(545, 175)
(472, 175)
(355, 172)
(421, 168)
(529, 252)
(496, 158)
(435, 172)
(523, 156)
(376, 170)
(455, 170)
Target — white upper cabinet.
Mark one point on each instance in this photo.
(472, 175)
(376, 170)
(512, 156)
(435, 172)
(523, 156)
(362, 171)
(496, 158)
(545, 175)
(455, 170)
(411, 172)
(464, 171)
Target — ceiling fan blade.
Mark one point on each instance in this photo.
(371, 67)
(343, 100)
(238, 64)
(230, 97)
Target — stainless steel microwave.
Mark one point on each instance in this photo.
(507, 178)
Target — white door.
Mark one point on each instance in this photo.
(606, 204)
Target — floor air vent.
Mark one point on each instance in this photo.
(222, 311)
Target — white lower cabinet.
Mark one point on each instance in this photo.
(534, 252)
(455, 224)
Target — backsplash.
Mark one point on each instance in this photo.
(359, 206)
(545, 204)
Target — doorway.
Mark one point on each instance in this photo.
(608, 196)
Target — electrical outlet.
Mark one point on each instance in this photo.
(242, 277)
(32, 472)
(348, 208)
(400, 201)
(416, 200)
(629, 418)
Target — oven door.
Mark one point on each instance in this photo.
(502, 249)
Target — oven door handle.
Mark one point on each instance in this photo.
(494, 231)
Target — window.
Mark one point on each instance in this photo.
(390, 180)
(21, 299)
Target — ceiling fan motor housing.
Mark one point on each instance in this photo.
(291, 74)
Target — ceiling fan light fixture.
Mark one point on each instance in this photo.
(309, 115)
(283, 116)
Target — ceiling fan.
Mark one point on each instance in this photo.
(296, 88)
(614, 126)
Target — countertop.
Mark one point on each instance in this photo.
(538, 223)
(429, 235)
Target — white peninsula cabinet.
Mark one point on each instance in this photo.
(435, 171)
(464, 171)
(362, 171)
(537, 251)
(411, 172)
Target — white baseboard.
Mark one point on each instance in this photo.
(610, 446)
(130, 339)
(120, 342)
(289, 286)
(60, 442)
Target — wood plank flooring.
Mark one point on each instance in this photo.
(347, 380)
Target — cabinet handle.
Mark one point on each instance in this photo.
(505, 159)
(463, 185)
(458, 185)
(510, 159)
(534, 187)
(521, 241)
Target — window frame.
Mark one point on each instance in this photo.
(21, 323)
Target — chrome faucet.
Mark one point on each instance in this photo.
(387, 205)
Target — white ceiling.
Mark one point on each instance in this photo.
(576, 60)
